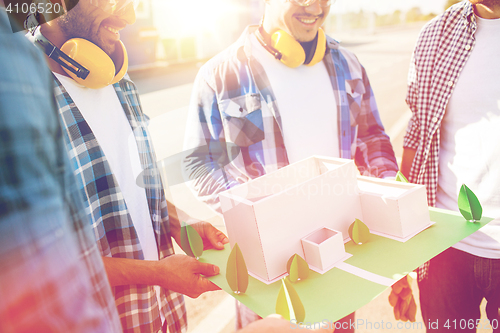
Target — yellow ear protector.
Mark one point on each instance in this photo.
(286, 49)
(83, 61)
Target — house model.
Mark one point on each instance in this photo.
(307, 208)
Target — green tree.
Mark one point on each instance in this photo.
(450, 3)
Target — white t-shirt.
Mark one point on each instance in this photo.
(307, 106)
(470, 139)
(103, 112)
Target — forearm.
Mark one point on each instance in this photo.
(407, 161)
(174, 221)
(374, 145)
(123, 271)
(375, 156)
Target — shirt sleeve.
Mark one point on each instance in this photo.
(207, 165)
(412, 138)
(374, 154)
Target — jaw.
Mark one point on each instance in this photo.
(304, 29)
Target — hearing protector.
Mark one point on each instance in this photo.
(82, 60)
(287, 50)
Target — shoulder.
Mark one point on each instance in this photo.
(347, 58)
(439, 27)
(222, 65)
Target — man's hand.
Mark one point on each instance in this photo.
(276, 324)
(402, 300)
(184, 275)
(212, 237)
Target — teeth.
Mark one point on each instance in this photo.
(307, 21)
(115, 31)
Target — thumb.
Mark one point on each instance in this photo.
(206, 269)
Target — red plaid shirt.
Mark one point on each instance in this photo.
(442, 50)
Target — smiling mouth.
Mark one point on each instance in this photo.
(113, 30)
(307, 20)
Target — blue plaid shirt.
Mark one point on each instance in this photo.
(52, 278)
(107, 210)
(229, 148)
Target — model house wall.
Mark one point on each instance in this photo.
(269, 216)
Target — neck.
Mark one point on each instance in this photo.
(489, 12)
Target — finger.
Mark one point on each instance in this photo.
(396, 311)
(210, 286)
(406, 281)
(214, 236)
(223, 238)
(393, 299)
(206, 269)
(397, 287)
(403, 307)
(405, 293)
(202, 286)
(412, 311)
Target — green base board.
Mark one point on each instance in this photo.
(336, 293)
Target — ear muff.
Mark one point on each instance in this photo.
(286, 49)
(101, 67)
(82, 60)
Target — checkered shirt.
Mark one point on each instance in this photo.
(442, 50)
(232, 145)
(106, 207)
(52, 278)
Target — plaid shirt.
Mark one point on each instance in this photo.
(442, 50)
(52, 278)
(106, 207)
(218, 131)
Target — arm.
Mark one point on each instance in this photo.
(374, 155)
(207, 164)
(177, 272)
(407, 160)
(412, 137)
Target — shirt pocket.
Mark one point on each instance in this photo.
(242, 119)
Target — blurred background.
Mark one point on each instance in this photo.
(172, 39)
(169, 32)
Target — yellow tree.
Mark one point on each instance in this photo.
(450, 3)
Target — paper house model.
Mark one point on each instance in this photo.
(272, 216)
(323, 248)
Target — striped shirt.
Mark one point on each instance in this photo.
(113, 227)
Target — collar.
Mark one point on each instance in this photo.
(468, 15)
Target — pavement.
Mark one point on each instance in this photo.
(165, 96)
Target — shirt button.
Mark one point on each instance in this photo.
(434, 120)
(467, 47)
(450, 83)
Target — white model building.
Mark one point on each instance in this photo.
(309, 206)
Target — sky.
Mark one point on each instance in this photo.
(389, 6)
